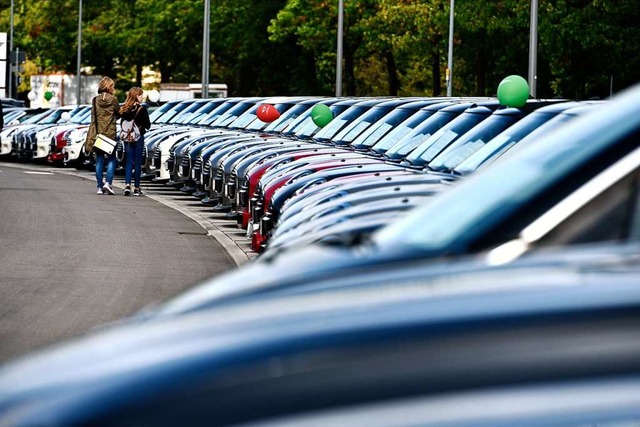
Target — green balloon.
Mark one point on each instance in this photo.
(513, 91)
(321, 115)
(48, 95)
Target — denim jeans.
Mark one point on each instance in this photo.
(112, 162)
(133, 161)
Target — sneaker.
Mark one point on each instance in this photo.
(99, 191)
(137, 192)
(127, 190)
(107, 189)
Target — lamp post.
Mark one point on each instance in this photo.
(205, 50)
(339, 53)
(11, 53)
(79, 88)
(449, 75)
(533, 48)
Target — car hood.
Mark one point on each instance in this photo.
(315, 265)
(119, 366)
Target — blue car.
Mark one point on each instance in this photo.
(428, 337)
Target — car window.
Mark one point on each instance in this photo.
(611, 215)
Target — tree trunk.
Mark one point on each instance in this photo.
(392, 74)
(139, 75)
(349, 74)
(436, 87)
(481, 73)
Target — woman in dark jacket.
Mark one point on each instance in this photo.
(105, 110)
(133, 110)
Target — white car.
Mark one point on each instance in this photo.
(43, 142)
(74, 150)
(161, 153)
(6, 139)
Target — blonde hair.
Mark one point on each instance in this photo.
(106, 85)
(132, 99)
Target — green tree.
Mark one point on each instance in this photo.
(592, 45)
(410, 36)
(285, 47)
(313, 26)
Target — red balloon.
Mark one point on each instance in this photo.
(267, 113)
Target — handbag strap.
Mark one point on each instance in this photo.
(136, 114)
(95, 115)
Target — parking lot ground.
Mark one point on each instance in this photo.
(72, 260)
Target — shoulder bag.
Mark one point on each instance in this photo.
(102, 142)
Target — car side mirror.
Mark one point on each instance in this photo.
(66, 116)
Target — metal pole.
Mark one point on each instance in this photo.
(533, 48)
(205, 50)
(449, 76)
(79, 89)
(339, 53)
(11, 54)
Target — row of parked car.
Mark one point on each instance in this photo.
(411, 148)
(425, 262)
(375, 160)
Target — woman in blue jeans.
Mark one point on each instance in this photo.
(135, 122)
(104, 113)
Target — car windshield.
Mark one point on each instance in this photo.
(199, 114)
(414, 138)
(245, 119)
(472, 141)
(82, 117)
(52, 118)
(171, 113)
(10, 115)
(159, 112)
(217, 112)
(256, 124)
(379, 129)
(339, 122)
(431, 147)
(186, 114)
(399, 131)
(455, 218)
(503, 141)
(350, 132)
(288, 117)
(232, 114)
(305, 128)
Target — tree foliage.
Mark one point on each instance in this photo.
(399, 47)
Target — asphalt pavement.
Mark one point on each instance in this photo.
(72, 260)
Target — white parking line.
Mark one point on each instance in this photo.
(38, 173)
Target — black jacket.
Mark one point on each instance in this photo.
(141, 118)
